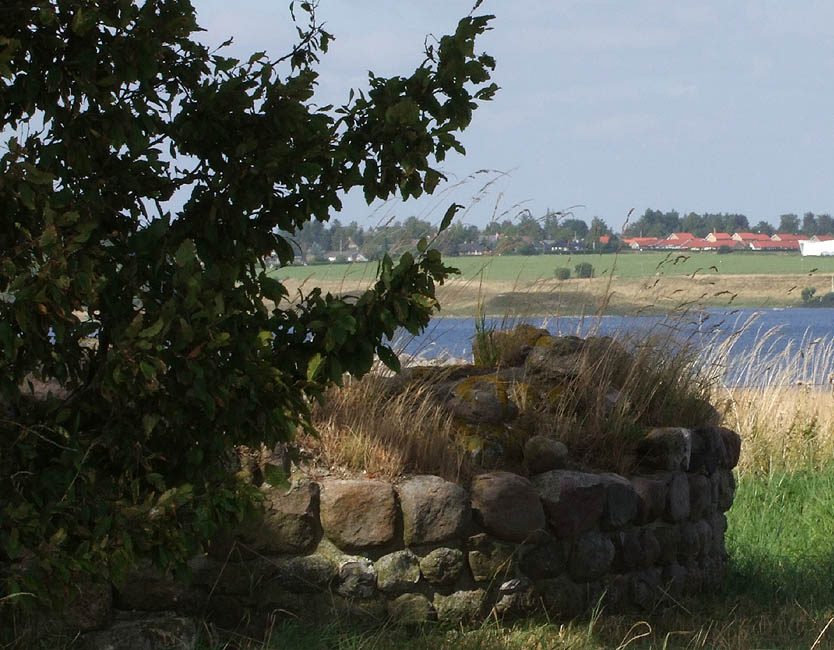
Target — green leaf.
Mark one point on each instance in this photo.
(387, 356)
(450, 214)
(186, 253)
(313, 367)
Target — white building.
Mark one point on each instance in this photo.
(816, 248)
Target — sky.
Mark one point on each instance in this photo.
(605, 106)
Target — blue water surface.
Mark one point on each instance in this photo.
(776, 333)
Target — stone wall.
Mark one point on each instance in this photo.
(426, 549)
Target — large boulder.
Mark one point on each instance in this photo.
(442, 566)
(507, 506)
(621, 501)
(358, 514)
(542, 454)
(397, 572)
(483, 399)
(490, 559)
(591, 557)
(668, 448)
(143, 632)
(573, 501)
(466, 606)
(433, 510)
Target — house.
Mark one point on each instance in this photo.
(781, 236)
(697, 244)
(771, 245)
(822, 238)
(723, 237)
(681, 236)
(640, 243)
(750, 236)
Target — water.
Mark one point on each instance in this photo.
(774, 336)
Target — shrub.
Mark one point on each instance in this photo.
(167, 340)
(562, 273)
(584, 270)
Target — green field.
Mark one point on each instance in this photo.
(525, 269)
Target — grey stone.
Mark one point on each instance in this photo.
(591, 556)
(621, 501)
(357, 579)
(616, 592)
(397, 571)
(542, 454)
(650, 546)
(705, 537)
(651, 497)
(159, 632)
(726, 488)
(460, 606)
(507, 506)
(358, 514)
(373, 609)
(561, 596)
(306, 573)
(644, 587)
(629, 549)
(666, 448)
(410, 609)
(668, 538)
(573, 501)
(516, 597)
(708, 450)
(732, 447)
(545, 560)
(677, 502)
(442, 566)
(718, 525)
(482, 399)
(699, 496)
(490, 559)
(689, 545)
(433, 510)
(673, 580)
(289, 523)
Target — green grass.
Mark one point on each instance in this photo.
(779, 593)
(522, 269)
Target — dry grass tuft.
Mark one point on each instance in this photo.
(364, 427)
(781, 403)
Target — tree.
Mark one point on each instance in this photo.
(809, 224)
(171, 341)
(764, 227)
(789, 223)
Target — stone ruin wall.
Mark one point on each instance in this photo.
(425, 549)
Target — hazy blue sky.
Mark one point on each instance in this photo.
(708, 106)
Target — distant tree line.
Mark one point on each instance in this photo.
(654, 223)
(554, 232)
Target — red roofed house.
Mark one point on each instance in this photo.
(750, 236)
(771, 245)
(697, 244)
(822, 238)
(673, 244)
(719, 236)
(681, 236)
(639, 243)
(781, 236)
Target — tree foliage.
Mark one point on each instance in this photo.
(171, 341)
